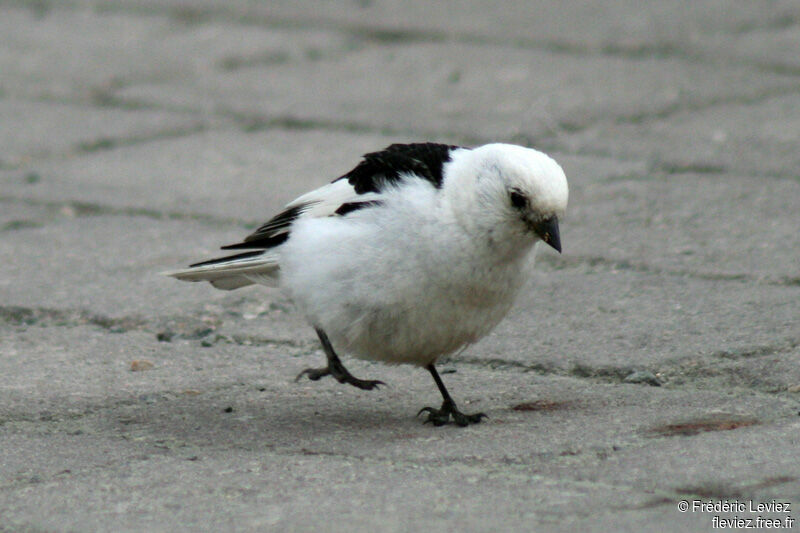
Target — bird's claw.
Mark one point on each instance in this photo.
(364, 384)
(440, 417)
(314, 374)
(341, 375)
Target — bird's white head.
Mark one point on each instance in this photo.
(506, 193)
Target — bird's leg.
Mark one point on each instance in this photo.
(440, 417)
(335, 368)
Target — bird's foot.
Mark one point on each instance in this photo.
(341, 374)
(440, 417)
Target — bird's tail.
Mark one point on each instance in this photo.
(233, 271)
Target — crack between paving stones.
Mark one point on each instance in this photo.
(251, 123)
(203, 329)
(101, 144)
(87, 209)
(198, 329)
(756, 351)
(698, 106)
(111, 143)
(255, 122)
(204, 14)
(573, 261)
(371, 33)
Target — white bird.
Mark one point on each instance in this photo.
(416, 253)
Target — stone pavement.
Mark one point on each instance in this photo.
(139, 135)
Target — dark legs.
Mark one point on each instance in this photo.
(437, 417)
(440, 417)
(335, 368)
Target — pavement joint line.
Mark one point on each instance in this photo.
(612, 264)
(256, 122)
(104, 143)
(202, 333)
(655, 166)
(19, 315)
(311, 123)
(781, 22)
(110, 143)
(703, 105)
(198, 330)
(251, 123)
(112, 404)
(603, 374)
(616, 375)
(372, 33)
(88, 209)
(756, 351)
(103, 98)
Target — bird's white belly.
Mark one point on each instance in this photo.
(419, 334)
(398, 292)
(412, 323)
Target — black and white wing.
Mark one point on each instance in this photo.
(390, 165)
(360, 188)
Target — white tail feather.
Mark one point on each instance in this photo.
(229, 275)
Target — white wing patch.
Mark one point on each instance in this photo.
(327, 199)
(232, 272)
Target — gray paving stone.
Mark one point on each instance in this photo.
(71, 52)
(706, 224)
(90, 54)
(72, 369)
(623, 25)
(769, 48)
(146, 444)
(757, 138)
(258, 492)
(51, 129)
(93, 269)
(530, 93)
(223, 173)
(617, 321)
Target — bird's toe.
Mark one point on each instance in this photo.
(364, 384)
(440, 417)
(437, 417)
(314, 374)
(464, 420)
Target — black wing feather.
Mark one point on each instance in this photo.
(349, 207)
(273, 232)
(372, 174)
(385, 167)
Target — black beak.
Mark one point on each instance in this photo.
(547, 229)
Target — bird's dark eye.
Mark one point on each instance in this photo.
(518, 200)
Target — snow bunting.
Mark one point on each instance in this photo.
(414, 254)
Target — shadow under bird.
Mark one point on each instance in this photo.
(416, 253)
